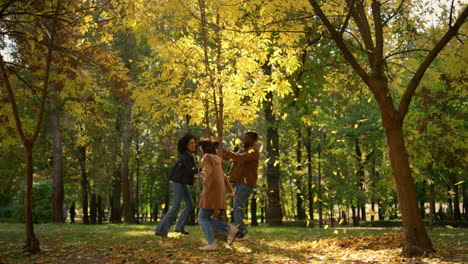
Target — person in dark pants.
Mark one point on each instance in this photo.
(182, 174)
(244, 176)
(72, 213)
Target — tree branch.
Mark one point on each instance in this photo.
(47, 73)
(341, 44)
(416, 79)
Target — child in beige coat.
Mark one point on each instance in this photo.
(213, 196)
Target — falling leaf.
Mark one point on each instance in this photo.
(460, 182)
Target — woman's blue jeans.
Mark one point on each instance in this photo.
(207, 224)
(180, 192)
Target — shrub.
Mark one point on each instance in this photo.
(42, 202)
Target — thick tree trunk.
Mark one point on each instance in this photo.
(274, 212)
(128, 212)
(84, 183)
(57, 161)
(31, 244)
(116, 216)
(93, 209)
(417, 241)
(253, 209)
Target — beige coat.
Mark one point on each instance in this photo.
(215, 183)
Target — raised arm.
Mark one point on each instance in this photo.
(249, 155)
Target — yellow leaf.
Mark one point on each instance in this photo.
(335, 232)
(325, 227)
(163, 205)
(460, 182)
(416, 132)
(371, 212)
(341, 221)
(450, 227)
(451, 192)
(245, 221)
(356, 125)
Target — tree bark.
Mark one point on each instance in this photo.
(128, 212)
(456, 198)
(100, 210)
(417, 241)
(431, 204)
(31, 244)
(93, 209)
(57, 160)
(116, 216)
(253, 209)
(274, 212)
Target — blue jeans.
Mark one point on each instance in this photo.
(207, 223)
(242, 192)
(180, 192)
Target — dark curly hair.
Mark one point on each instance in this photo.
(208, 145)
(183, 142)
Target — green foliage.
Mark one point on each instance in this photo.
(42, 204)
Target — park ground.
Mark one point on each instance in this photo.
(87, 244)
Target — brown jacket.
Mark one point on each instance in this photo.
(215, 183)
(245, 165)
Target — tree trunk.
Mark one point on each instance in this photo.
(57, 161)
(301, 215)
(319, 187)
(84, 183)
(361, 177)
(355, 217)
(417, 241)
(274, 212)
(31, 244)
(116, 216)
(128, 212)
(456, 198)
(253, 209)
(100, 210)
(137, 189)
(465, 200)
(310, 195)
(93, 209)
(431, 204)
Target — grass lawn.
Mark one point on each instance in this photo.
(66, 243)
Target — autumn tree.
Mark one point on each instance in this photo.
(368, 28)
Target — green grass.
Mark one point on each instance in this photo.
(65, 243)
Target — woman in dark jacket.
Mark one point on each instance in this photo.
(182, 174)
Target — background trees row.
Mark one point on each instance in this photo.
(119, 83)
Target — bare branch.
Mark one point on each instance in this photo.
(416, 79)
(394, 13)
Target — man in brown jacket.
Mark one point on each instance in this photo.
(244, 176)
